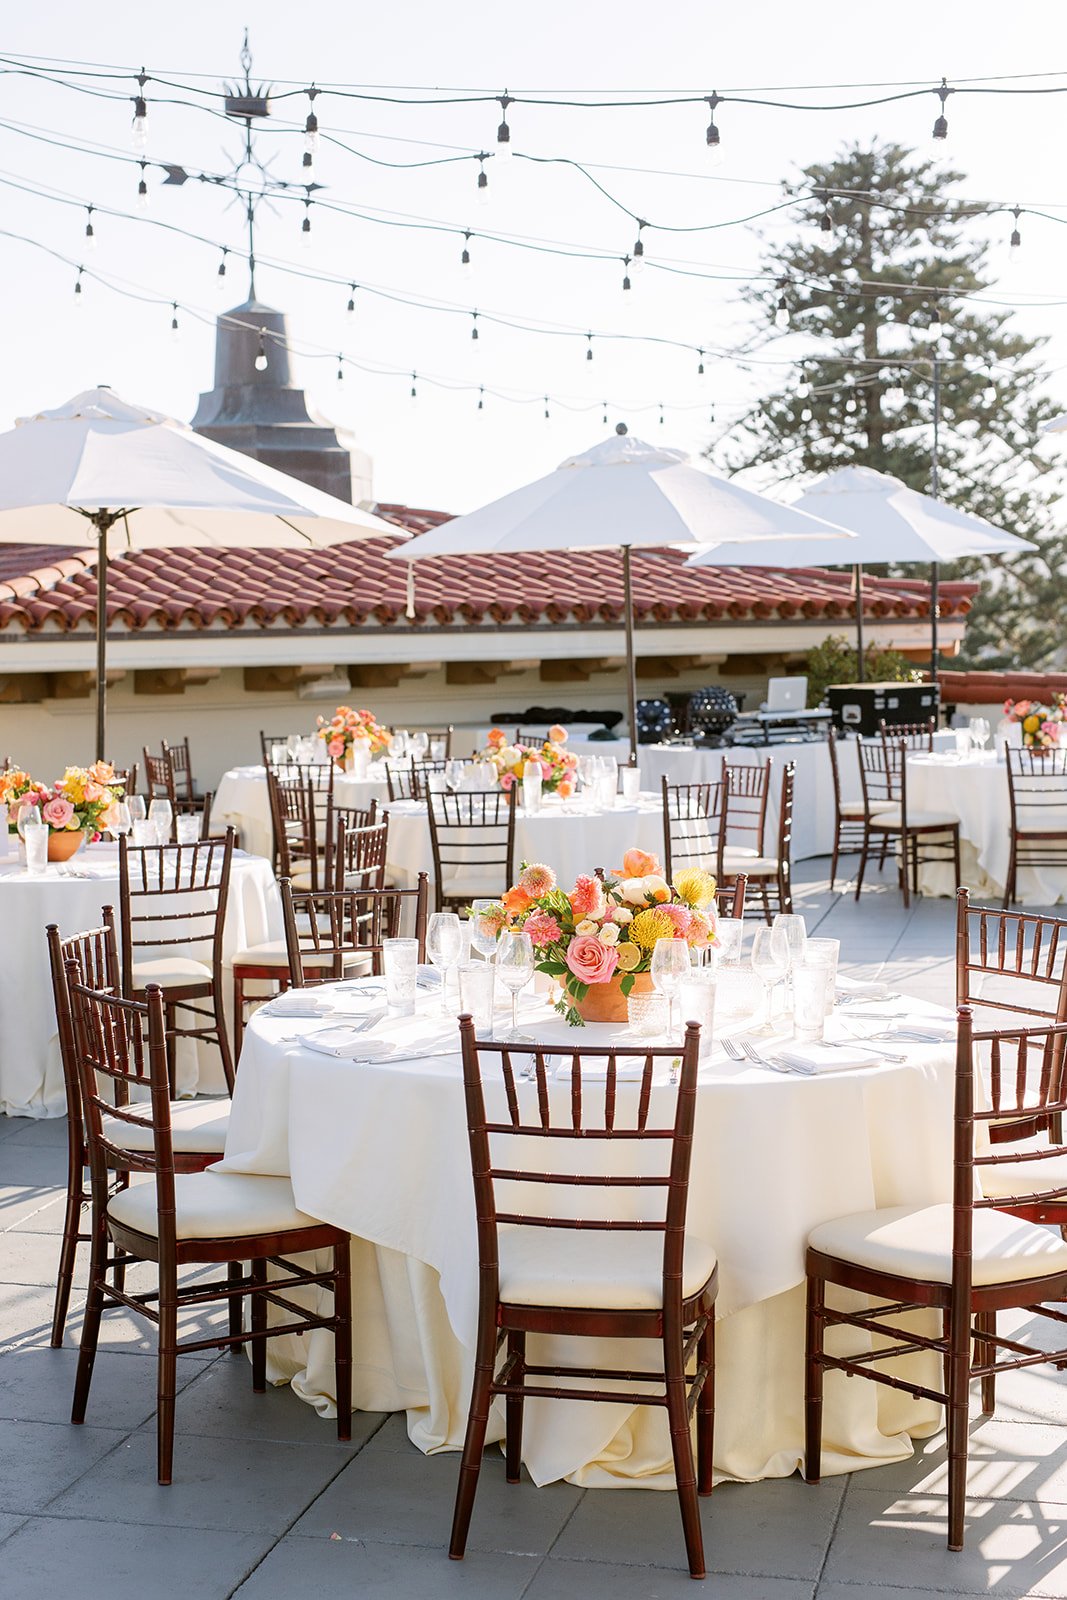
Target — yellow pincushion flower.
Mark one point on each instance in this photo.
(648, 927)
(629, 956)
(695, 887)
(1031, 724)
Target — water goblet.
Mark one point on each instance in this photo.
(979, 727)
(28, 817)
(796, 936)
(670, 964)
(770, 963)
(419, 745)
(438, 748)
(444, 943)
(398, 745)
(453, 774)
(121, 821)
(483, 938)
(161, 812)
(515, 968)
(136, 804)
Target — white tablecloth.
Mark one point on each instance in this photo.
(566, 836)
(382, 1151)
(975, 790)
(31, 1077)
(242, 799)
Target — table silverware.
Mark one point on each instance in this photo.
(778, 1063)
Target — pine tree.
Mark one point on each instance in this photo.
(885, 248)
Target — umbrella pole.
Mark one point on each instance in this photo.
(861, 669)
(631, 663)
(102, 522)
(935, 490)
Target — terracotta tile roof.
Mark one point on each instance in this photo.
(993, 688)
(353, 585)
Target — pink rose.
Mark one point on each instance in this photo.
(591, 961)
(58, 813)
(507, 780)
(557, 734)
(335, 748)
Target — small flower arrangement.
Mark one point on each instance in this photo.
(1042, 724)
(345, 726)
(605, 928)
(80, 801)
(512, 761)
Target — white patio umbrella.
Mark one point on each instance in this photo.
(890, 522)
(620, 493)
(143, 481)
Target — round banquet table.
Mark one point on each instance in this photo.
(974, 788)
(567, 835)
(242, 800)
(72, 895)
(381, 1149)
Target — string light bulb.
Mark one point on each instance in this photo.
(589, 347)
(604, 418)
(474, 325)
(639, 248)
(989, 393)
(935, 328)
(90, 234)
(350, 308)
(700, 363)
(547, 417)
(662, 418)
(941, 125)
(311, 126)
(481, 399)
(305, 226)
(340, 367)
(714, 142)
(465, 267)
(307, 167)
(220, 276)
(139, 125)
(414, 386)
(781, 315)
(503, 132)
(482, 190)
(895, 393)
(626, 275)
(1016, 238)
(175, 329)
(803, 389)
(260, 362)
(78, 298)
(805, 415)
(826, 221)
(142, 188)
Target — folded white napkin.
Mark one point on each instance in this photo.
(923, 1031)
(347, 1044)
(827, 1058)
(296, 1003)
(861, 988)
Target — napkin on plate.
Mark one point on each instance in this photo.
(347, 1044)
(861, 988)
(296, 1003)
(828, 1058)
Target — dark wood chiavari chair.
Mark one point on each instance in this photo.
(358, 816)
(921, 836)
(439, 736)
(359, 856)
(412, 782)
(267, 741)
(302, 819)
(327, 935)
(534, 736)
(606, 1276)
(472, 837)
(692, 814)
(198, 1126)
(127, 776)
(181, 766)
(967, 1260)
(172, 899)
(183, 1219)
(914, 735)
(848, 814)
(730, 902)
(159, 777)
(1037, 800)
(772, 871)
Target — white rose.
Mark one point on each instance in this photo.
(632, 890)
(623, 915)
(586, 927)
(509, 756)
(609, 934)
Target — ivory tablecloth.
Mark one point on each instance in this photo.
(382, 1150)
(31, 1077)
(242, 799)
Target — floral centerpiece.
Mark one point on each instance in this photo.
(597, 941)
(1042, 725)
(78, 804)
(511, 761)
(345, 726)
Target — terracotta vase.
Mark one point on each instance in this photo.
(605, 1002)
(63, 845)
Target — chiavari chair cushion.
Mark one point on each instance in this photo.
(471, 884)
(196, 1125)
(755, 866)
(916, 1243)
(170, 971)
(851, 808)
(215, 1205)
(596, 1268)
(1010, 1178)
(274, 953)
(892, 817)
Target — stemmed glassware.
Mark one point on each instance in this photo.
(444, 945)
(29, 816)
(161, 814)
(670, 964)
(419, 745)
(136, 806)
(979, 727)
(398, 744)
(121, 821)
(770, 963)
(484, 940)
(515, 968)
(453, 774)
(796, 934)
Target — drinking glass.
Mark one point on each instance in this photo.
(811, 988)
(631, 783)
(825, 953)
(161, 813)
(292, 743)
(646, 1015)
(482, 939)
(144, 831)
(770, 963)
(588, 772)
(29, 817)
(360, 757)
(419, 745)
(35, 838)
(797, 937)
(453, 774)
(400, 959)
(531, 789)
(137, 807)
(398, 745)
(515, 966)
(696, 1003)
(121, 821)
(477, 987)
(607, 781)
(444, 942)
(188, 829)
(437, 749)
(278, 754)
(962, 737)
(670, 964)
(731, 937)
(979, 727)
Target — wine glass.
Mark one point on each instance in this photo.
(398, 745)
(419, 745)
(136, 805)
(121, 821)
(29, 816)
(979, 727)
(161, 813)
(484, 940)
(670, 964)
(796, 935)
(444, 943)
(770, 963)
(515, 966)
(454, 774)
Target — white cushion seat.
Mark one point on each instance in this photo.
(274, 953)
(608, 1271)
(852, 808)
(170, 972)
(916, 1242)
(890, 817)
(474, 886)
(755, 866)
(194, 1125)
(214, 1205)
(1023, 1177)
(742, 852)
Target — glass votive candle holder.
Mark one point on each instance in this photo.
(145, 832)
(825, 953)
(477, 994)
(647, 1015)
(188, 829)
(696, 1003)
(811, 985)
(631, 783)
(400, 959)
(730, 936)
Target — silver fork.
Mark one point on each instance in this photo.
(733, 1050)
(776, 1066)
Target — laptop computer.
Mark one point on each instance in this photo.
(786, 694)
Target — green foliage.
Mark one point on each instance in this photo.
(836, 660)
(900, 247)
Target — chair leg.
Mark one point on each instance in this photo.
(682, 1450)
(836, 853)
(257, 1321)
(68, 1252)
(1009, 887)
(905, 846)
(234, 1275)
(767, 917)
(706, 1407)
(167, 1371)
(474, 1443)
(223, 1032)
(986, 1322)
(94, 1306)
(813, 1381)
(863, 860)
(513, 1409)
(957, 1429)
(342, 1310)
(238, 1014)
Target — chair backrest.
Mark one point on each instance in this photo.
(358, 816)
(1037, 797)
(345, 922)
(439, 735)
(95, 957)
(422, 772)
(785, 816)
(882, 775)
(472, 836)
(692, 815)
(915, 735)
(400, 777)
(359, 856)
(181, 767)
(518, 1114)
(267, 741)
(833, 738)
(173, 896)
(531, 736)
(745, 791)
(127, 776)
(730, 902)
(302, 819)
(159, 777)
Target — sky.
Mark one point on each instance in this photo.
(440, 450)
